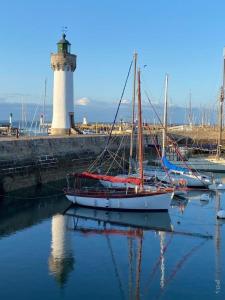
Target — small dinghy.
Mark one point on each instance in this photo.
(221, 214)
(205, 197)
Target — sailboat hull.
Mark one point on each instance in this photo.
(155, 202)
(190, 179)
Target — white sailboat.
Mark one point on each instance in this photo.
(151, 180)
(139, 197)
(211, 163)
(170, 171)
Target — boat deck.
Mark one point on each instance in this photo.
(116, 193)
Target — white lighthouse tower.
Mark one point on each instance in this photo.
(63, 64)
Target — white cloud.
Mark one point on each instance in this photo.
(83, 101)
(125, 101)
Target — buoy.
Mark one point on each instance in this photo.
(204, 197)
(221, 186)
(221, 214)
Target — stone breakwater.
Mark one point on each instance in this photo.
(28, 148)
(28, 161)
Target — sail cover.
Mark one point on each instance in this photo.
(167, 164)
(131, 180)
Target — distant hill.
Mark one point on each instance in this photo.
(104, 112)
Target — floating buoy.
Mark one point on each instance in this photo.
(204, 197)
(221, 214)
(221, 186)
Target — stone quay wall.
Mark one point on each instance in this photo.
(28, 161)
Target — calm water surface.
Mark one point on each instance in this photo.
(87, 254)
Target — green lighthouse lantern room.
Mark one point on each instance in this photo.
(63, 45)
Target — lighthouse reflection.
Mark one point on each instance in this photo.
(61, 261)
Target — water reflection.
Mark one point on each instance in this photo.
(19, 212)
(61, 261)
(215, 197)
(217, 244)
(180, 202)
(145, 220)
(162, 259)
(136, 254)
(132, 225)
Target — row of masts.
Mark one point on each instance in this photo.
(221, 103)
(164, 132)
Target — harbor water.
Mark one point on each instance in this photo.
(49, 252)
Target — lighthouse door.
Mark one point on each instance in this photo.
(71, 114)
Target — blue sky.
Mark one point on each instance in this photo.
(183, 38)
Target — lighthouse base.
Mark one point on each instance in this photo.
(60, 131)
(65, 131)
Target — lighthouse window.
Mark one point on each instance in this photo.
(60, 47)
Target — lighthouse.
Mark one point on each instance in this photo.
(63, 64)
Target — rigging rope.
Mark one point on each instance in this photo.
(101, 156)
(118, 107)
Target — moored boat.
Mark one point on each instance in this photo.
(139, 197)
(119, 199)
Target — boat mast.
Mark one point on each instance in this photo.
(133, 114)
(164, 133)
(44, 100)
(140, 132)
(221, 100)
(190, 111)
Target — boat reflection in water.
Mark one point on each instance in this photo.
(159, 221)
(132, 225)
(218, 242)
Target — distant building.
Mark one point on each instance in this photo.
(85, 122)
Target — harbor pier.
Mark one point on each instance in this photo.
(31, 161)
